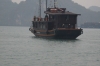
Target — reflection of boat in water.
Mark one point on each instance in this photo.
(57, 23)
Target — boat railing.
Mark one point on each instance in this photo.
(40, 19)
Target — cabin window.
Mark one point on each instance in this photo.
(50, 25)
(67, 18)
(51, 17)
(36, 24)
(43, 25)
(33, 24)
(66, 26)
(40, 25)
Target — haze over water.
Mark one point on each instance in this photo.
(19, 47)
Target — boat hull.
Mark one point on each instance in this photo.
(68, 33)
(58, 33)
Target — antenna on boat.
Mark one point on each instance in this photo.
(39, 8)
(46, 5)
(54, 3)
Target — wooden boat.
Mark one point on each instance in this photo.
(57, 23)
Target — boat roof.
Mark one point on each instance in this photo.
(66, 13)
(59, 11)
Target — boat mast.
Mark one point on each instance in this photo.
(39, 8)
(46, 5)
(54, 3)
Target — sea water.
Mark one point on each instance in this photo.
(19, 47)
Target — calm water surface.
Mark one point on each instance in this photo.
(19, 47)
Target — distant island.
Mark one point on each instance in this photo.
(91, 25)
(95, 8)
(13, 14)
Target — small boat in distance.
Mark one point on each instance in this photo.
(57, 23)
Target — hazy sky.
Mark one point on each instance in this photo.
(86, 3)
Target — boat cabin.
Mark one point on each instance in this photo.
(56, 18)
